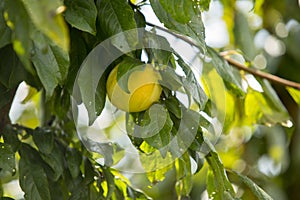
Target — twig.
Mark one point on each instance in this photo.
(270, 77)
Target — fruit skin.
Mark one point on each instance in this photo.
(143, 86)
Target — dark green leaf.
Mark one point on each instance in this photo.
(4, 95)
(80, 193)
(55, 160)
(182, 16)
(7, 159)
(174, 106)
(78, 53)
(81, 14)
(44, 140)
(73, 158)
(47, 17)
(5, 32)
(10, 136)
(51, 63)
(6, 198)
(12, 71)
(257, 191)
(116, 16)
(18, 21)
(33, 179)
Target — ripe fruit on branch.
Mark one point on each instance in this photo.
(143, 86)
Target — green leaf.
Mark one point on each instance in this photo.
(18, 21)
(33, 179)
(154, 126)
(73, 158)
(78, 52)
(7, 159)
(295, 94)
(5, 32)
(159, 125)
(183, 176)
(231, 78)
(55, 159)
(264, 107)
(257, 191)
(109, 177)
(219, 186)
(6, 198)
(4, 95)
(191, 84)
(182, 16)
(170, 79)
(204, 4)
(116, 16)
(51, 63)
(44, 140)
(47, 17)
(160, 51)
(81, 14)
(174, 106)
(11, 76)
(244, 35)
(10, 136)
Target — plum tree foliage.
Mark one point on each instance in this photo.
(244, 93)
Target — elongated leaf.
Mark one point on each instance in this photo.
(160, 51)
(295, 94)
(244, 35)
(19, 22)
(183, 176)
(55, 160)
(51, 63)
(112, 20)
(73, 158)
(44, 140)
(82, 14)
(47, 17)
(257, 191)
(191, 84)
(220, 186)
(11, 76)
(231, 78)
(7, 159)
(160, 123)
(182, 16)
(5, 32)
(33, 179)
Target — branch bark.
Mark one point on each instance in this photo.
(255, 72)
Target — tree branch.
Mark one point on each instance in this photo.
(255, 72)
